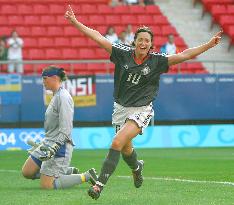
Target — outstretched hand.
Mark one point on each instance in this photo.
(70, 15)
(215, 40)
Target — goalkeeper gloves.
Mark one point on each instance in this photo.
(48, 151)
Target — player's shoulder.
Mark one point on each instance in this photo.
(122, 46)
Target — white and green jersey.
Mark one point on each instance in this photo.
(59, 117)
(136, 85)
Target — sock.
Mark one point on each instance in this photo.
(131, 160)
(109, 165)
(37, 175)
(66, 181)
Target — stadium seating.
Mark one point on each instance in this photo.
(48, 35)
(222, 13)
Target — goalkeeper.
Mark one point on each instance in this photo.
(50, 160)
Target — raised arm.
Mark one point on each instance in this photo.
(193, 52)
(93, 34)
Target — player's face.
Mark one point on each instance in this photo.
(48, 82)
(143, 43)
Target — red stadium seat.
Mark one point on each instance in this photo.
(53, 54)
(113, 19)
(166, 30)
(4, 21)
(38, 31)
(61, 21)
(8, 9)
(156, 30)
(121, 9)
(91, 43)
(160, 20)
(79, 42)
(137, 9)
(40, 9)
(230, 9)
(104, 9)
(23, 30)
(24, 9)
(45, 42)
(36, 54)
(69, 53)
(102, 53)
(15, 20)
(70, 31)
(152, 9)
(57, 9)
(145, 20)
(62, 42)
(130, 19)
(87, 53)
(225, 21)
(48, 20)
(55, 31)
(97, 20)
(88, 9)
(5, 31)
(179, 41)
(32, 20)
(30, 42)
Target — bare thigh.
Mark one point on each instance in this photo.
(30, 168)
(125, 135)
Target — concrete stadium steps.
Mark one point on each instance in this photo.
(195, 30)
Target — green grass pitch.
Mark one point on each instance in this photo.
(189, 176)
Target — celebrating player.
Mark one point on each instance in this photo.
(136, 83)
(50, 160)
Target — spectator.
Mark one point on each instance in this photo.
(131, 2)
(122, 38)
(15, 44)
(3, 52)
(129, 35)
(169, 47)
(114, 3)
(149, 2)
(3, 49)
(111, 35)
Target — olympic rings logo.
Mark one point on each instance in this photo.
(35, 136)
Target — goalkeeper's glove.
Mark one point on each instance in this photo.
(48, 151)
(33, 145)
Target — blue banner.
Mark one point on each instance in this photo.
(181, 97)
(154, 137)
(10, 89)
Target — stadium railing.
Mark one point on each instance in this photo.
(106, 67)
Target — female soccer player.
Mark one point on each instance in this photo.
(136, 83)
(53, 156)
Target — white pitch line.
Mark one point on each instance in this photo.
(8, 170)
(183, 180)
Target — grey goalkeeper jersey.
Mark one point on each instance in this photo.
(59, 117)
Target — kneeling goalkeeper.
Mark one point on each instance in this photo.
(50, 160)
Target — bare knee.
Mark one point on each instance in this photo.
(27, 173)
(117, 144)
(127, 150)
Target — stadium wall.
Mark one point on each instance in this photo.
(181, 97)
(153, 137)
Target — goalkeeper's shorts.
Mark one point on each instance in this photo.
(141, 115)
(57, 165)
